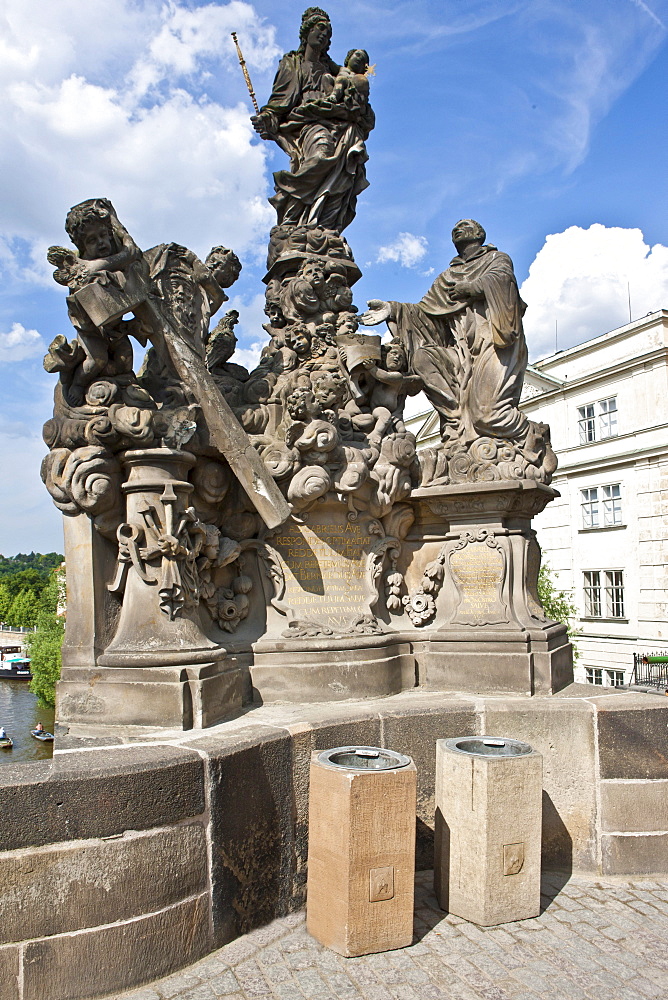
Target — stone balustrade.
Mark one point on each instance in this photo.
(130, 856)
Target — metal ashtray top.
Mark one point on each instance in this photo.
(489, 746)
(363, 758)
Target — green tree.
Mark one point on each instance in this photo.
(5, 602)
(23, 609)
(45, 644)
(558, 604)
(26, 579)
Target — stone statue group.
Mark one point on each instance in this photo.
(321, 415)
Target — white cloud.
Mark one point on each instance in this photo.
(582, 279)
(249, 357)
(19, 344)
(406, 250)
(97, 106)
(187, 38)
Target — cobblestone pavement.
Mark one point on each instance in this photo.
(596, 938)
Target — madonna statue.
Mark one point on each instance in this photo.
(319, 113)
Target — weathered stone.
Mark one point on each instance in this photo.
(9, 973)
(476, 390)
(299, 671)
(628, 806)
(321, 186)
(632, 736)
(361, 861)
(181, 697)
(416, 734)
(634, 854)
(562, 731)
(90, 881)
(75, 966)
(242, 536)
(488, 833)
(252, 827)
(99, 794)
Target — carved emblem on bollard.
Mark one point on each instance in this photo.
(381, 884)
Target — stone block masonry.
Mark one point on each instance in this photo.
(135, 853)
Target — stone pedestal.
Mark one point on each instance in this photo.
(442, 594)
(135, 650)
(181, 697)
(488, 829)
(159, 623)
(361, 855)
(476, 600)
(327, 635)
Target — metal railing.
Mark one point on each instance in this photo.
(650, 669)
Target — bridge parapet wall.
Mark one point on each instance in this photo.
(130, 856)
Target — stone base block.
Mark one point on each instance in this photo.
(317, 670)
(517, 662)
(488, 835)
(9, 973)
(118, 956)
(186, 697)
(361, 858)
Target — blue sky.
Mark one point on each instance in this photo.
(543, 119)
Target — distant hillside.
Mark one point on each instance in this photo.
(34, 560)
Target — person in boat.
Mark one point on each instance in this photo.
(39, 728)
(3, 734)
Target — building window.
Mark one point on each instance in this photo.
(610, 498)
(612, 505)
(587, 423)
(592, 589)
(607, 418)
(590, 508)
(604, 593)
(614, 593)
(597, 421)
(615, 678)
(594, 675)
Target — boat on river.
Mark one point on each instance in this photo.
(6, 743)
(42, 736)
(13, 664)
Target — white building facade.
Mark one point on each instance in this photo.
(605, 538)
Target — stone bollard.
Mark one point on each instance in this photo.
(488, 829)
(361, 853)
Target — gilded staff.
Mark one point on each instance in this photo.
(242, 63)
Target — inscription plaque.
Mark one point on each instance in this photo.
(324, 563)
(478, 572)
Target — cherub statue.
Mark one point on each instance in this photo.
(337, 295)
(330, 390)
(109, 259)
(304, 294)
(388, 389)
(351, 86)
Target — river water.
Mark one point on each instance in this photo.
(19, 713)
